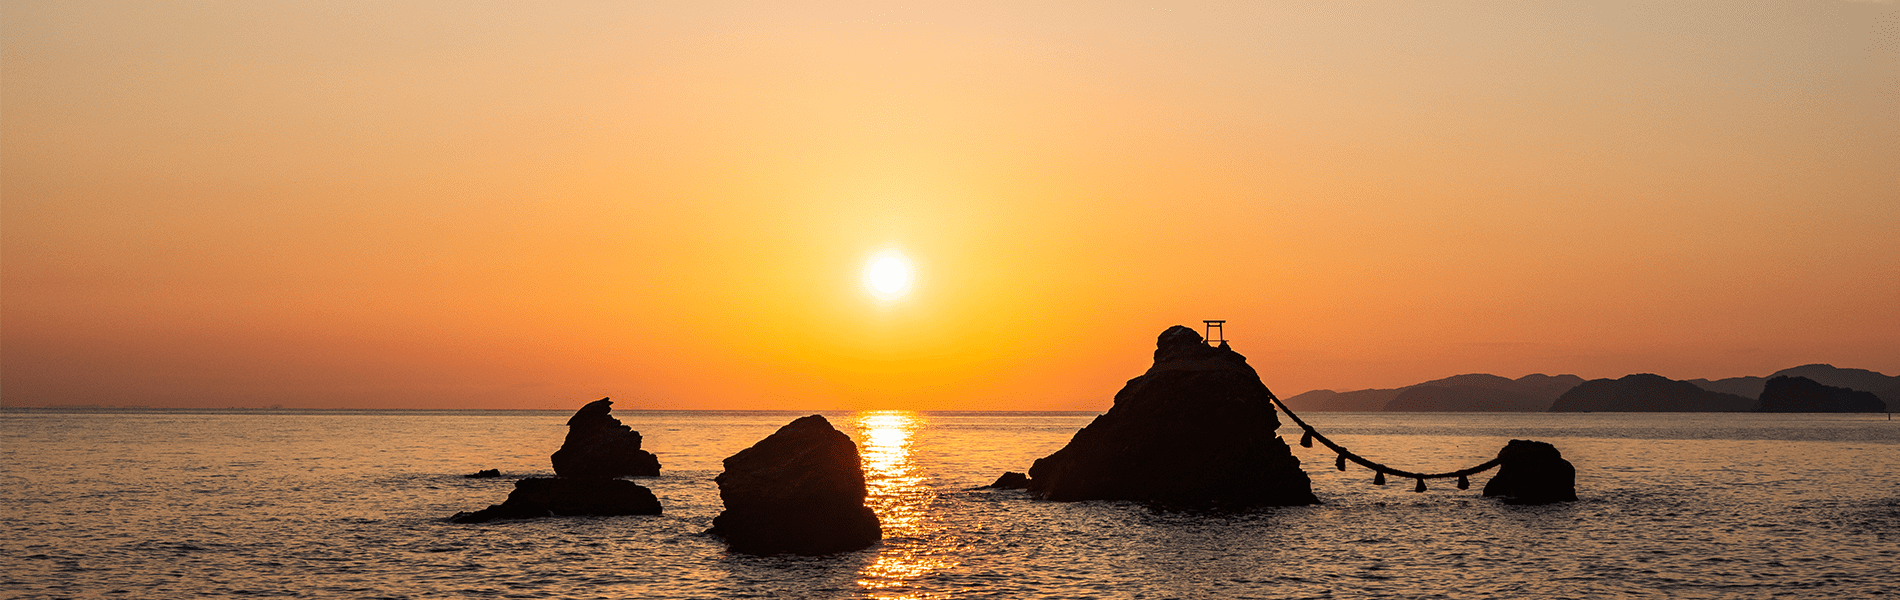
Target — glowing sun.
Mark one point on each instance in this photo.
(888, 275)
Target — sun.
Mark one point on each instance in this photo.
(888, 275)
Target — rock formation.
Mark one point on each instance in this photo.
(1800, 394)
(1011, 480)
(599, 447)
(1196, 430)
(1533, 473)
(798, 491)
(484, 474)
(544, 497)
(1645, 392)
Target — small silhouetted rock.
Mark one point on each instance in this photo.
(484, 474)
(798, 491)
(1800, 394)
(1196, 430)
(599, 447)
(563, 497)
(1533, 473)
(1011, 480)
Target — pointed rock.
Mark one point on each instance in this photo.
(599, 447)
(1196, 430)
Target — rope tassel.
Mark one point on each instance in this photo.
(1307, 435)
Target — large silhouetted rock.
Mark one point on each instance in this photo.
(1644, 392)
(599, 447)
(1196, 430)
(798, 491)
(549, 497)
(1800, 394)
(1533, 473)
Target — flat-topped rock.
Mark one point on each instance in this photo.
(1198, 429)
(798, 491)
(599, 447)
(1531, 472)
(562, 497)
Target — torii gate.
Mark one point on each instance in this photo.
(1213, 326)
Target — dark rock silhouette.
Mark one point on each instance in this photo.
(798, 491)
(1196, 430)
(484, 474)
(1011, 480)
(1646, 392)
(1533, 473)
(544, 497)
(599, 447)
(1800, 394)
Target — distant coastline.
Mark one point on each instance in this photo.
(1641, 392)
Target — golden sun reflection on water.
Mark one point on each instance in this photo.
(901, 495)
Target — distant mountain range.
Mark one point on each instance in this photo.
(1479, 392)
(1476, 392)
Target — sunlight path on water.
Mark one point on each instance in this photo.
(903, 499)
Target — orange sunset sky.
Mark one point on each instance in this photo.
(475, 204)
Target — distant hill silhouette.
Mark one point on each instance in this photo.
(1475, 392)
(1886, 387)
(1800, 394)
(1331, 401)
(1480, 392)
(1747, 387)
(1646, 392)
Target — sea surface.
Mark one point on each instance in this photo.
(350, 504)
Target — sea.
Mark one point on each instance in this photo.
(129, 503)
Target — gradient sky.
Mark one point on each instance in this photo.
(536, 204)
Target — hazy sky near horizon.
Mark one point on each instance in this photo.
(526, 205)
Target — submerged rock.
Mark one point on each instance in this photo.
(544, 497)
(1196, 430)
(599, 447)
(798, 491)
(1533, 473)
(1011, 480)
(484, 474)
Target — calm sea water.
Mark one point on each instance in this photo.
(337, 504)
